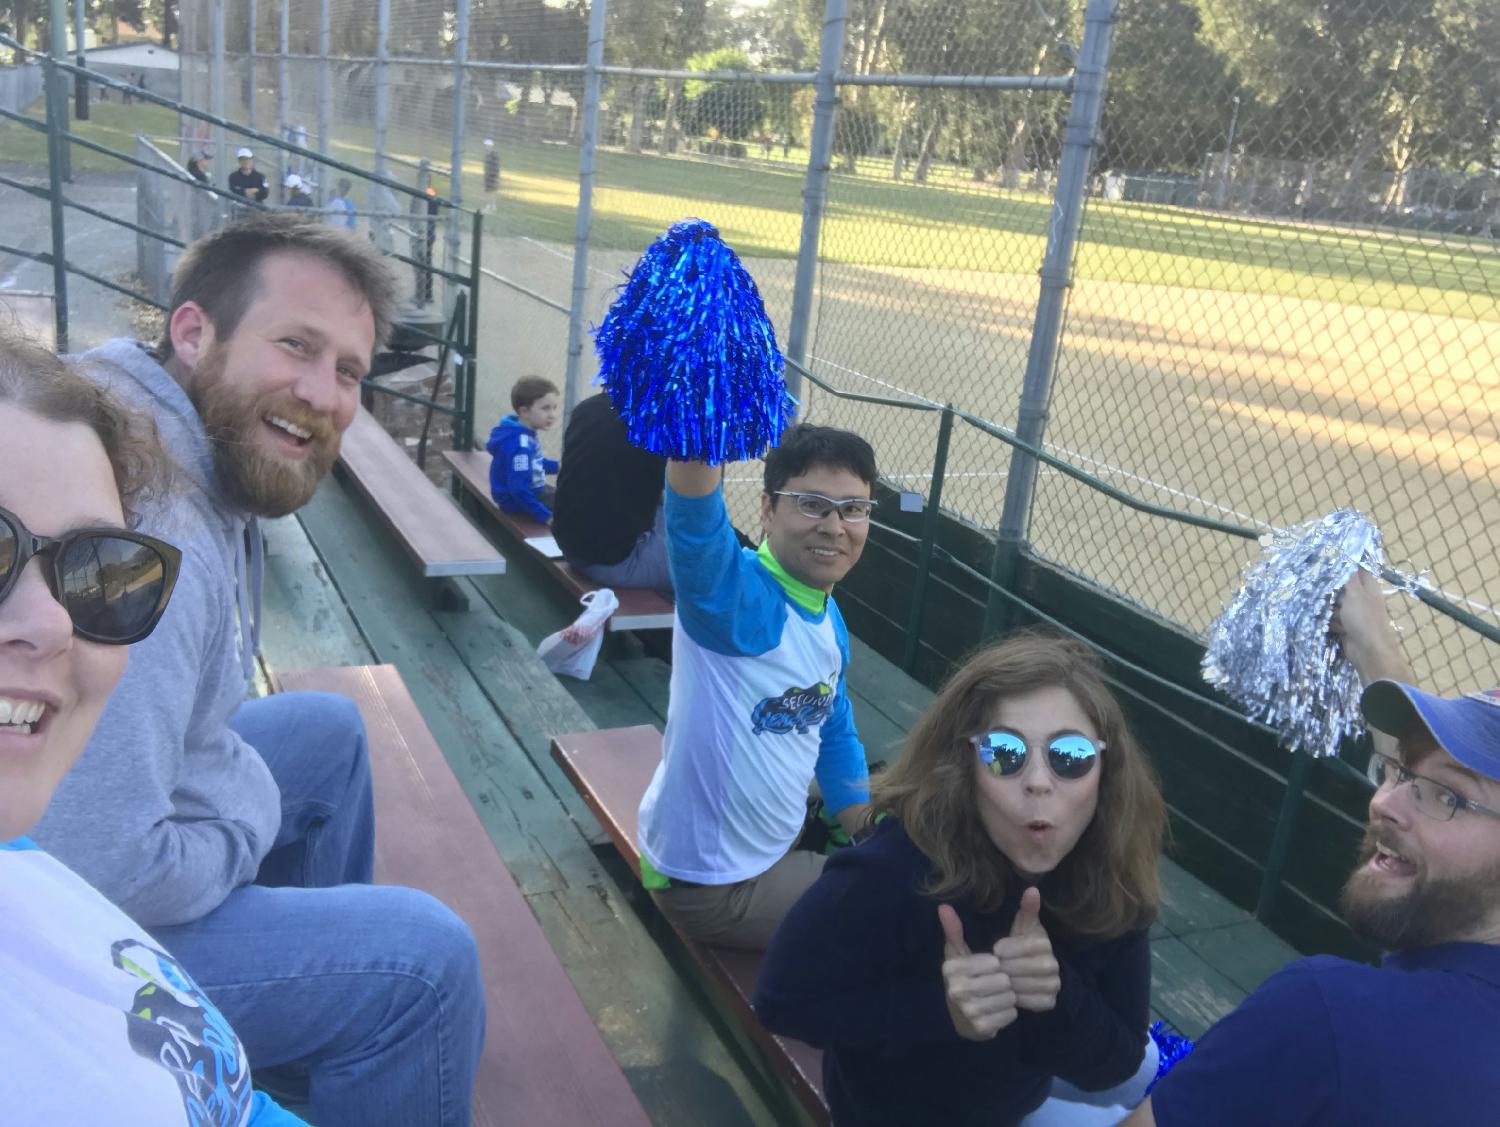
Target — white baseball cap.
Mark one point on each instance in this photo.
(243, 153)
(487, 141)
(293, 180)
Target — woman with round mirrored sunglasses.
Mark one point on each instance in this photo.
(1068, 755)
(113, 583)
(983, 955)
(96, 986)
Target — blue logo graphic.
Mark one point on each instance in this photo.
(795, 710)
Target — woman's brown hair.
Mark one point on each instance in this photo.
(36, 380)
(1108, 884)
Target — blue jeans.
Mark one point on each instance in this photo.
(646, 566)
(370, 992)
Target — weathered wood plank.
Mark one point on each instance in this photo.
(640, 1003)
(612, 769)
(304, 620)
(431, 530)
(494, 770)
(544, 1061)
(526, 695)
(1245, 953)
(1189, 905)
(1186, 991)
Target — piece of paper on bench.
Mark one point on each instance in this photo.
(547, 545)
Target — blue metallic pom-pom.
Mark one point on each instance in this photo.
(688, 355)
(1172, 1049)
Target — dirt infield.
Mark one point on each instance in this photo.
(1251, 408)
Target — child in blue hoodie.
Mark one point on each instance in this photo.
(518, 472)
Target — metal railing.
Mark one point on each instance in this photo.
(457, 346)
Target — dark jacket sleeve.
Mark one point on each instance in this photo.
(839, 970)
(1095, 1037)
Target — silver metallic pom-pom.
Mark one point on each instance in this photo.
(1271, 651)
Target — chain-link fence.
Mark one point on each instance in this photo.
(1284, 296)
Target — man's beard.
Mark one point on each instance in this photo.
(1433, 910)
(250, 477)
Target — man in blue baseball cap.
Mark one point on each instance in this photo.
(1413, 1041)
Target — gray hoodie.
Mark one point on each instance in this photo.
(167, 811)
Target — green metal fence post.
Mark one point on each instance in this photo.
(471, 370)
(1073, 170)
(56, 149)
(929, 540)
(1281, 842)
(57, 84)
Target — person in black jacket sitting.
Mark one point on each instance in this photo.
(607, 515)
(990, 934)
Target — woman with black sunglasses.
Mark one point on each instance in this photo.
(986, 945)
(101, 1025)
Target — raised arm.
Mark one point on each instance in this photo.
(1370, 640)
(693, 479)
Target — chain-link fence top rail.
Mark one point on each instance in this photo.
(1286, 286)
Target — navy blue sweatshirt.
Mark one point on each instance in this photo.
(856, 970)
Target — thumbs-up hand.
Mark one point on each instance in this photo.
(1025, 957)
(980, 999)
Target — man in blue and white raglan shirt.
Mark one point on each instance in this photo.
(759, 700)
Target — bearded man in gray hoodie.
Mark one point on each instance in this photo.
(241, 832)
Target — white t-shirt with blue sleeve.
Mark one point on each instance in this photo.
(101, 1025)
(759, 706)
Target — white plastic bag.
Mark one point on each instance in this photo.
(573, 651)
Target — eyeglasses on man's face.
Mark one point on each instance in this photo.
(1430, 797)
(815, 506)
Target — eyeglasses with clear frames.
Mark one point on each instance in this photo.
(815, 506)
(1431, 798)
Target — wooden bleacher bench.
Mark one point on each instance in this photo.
(544, 1061)
(435, 533)
(611, 769)
(640, 609)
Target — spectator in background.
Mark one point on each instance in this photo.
(518, 470)
(341, 207)
(491, 170)
(607, 516)
(198, 168)
(296, 192)
(246, 181)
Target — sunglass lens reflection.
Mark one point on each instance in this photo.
(10, 548)
(111, 586)
(1072, 757)
(1004, 753)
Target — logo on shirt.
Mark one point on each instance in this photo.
(795, 710)
(175, 1025)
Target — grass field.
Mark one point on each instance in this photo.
(1256, 370)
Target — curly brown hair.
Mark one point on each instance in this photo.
(1108, 884)
(34, 379)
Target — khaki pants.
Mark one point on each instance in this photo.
(744, 914)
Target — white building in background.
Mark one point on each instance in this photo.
(158, 65)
